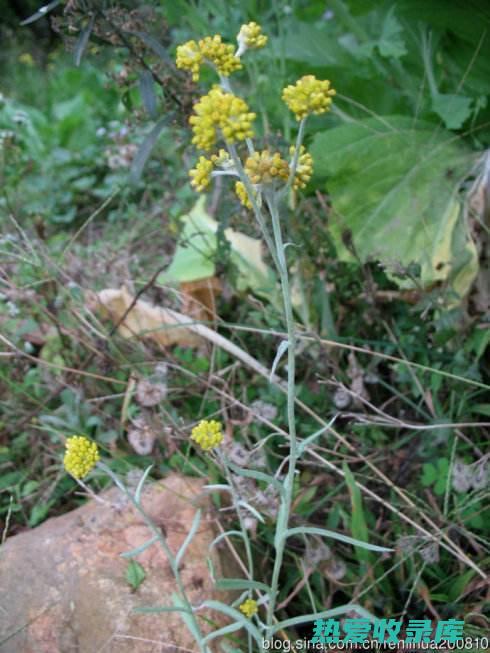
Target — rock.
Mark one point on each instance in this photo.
(63, 587)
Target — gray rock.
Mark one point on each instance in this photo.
(63, 587)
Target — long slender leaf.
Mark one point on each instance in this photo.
(139, 549)
(283, 347)
(159, 608)
(147, 90)
(359, 527)
(156, 46)
(237, 616)
(241, 584)
(190, 536)
(252, 510)
(41, 12)
(258, 476)
(187, 617)
(312, 530)
(221, 536)
(146, 148)
(139, 489)
(311, 438)
(326, 614)
(83, 40)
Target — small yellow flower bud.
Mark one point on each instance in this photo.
(304, 167)
(264, 167)
(189, 57)
(308, 95)
(220, 114)
(201, 174)
(221, 55)
(242, 194)
(207, 434)
(250, 37)
(222, 160)
(81, 456)
(249, 608)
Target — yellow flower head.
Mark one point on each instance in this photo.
(250, 37)
(242, 194)
(264, 167)
(80, 456)
(249, 608)
(201, 174)
(219, 113)
(220, 54)
(189, 57)
(207, 434)
(304, 167)
(308, 95)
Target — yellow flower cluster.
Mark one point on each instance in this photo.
(250, 36)
(207, 434)
(81, 456)
(220, 112)
(249, 608)
(304, 167)
(220, 54)
(264, 167)
(201, 174)
(189, 57)
(308, 95)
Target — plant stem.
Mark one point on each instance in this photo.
(287, 497)
(163, 542)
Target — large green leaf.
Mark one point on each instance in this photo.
(394, 185)
(195, 255)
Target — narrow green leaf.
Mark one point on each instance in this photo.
(146, 148)
(222, 536)
(359, 527)
(159, 608)
(41, 12)
(238, 617)
(139, 549)
(190, 536)
(147, 90)
(241, 584)
(139, 488)
(258, 476)
(281, 526)
(187, 617)
(252, 510)
(314, 436)
(83, 40)
(283, 346)
(326, 614)
(312, 530)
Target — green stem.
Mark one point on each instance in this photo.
(163, 542)
(251, 196)
(287, 497)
